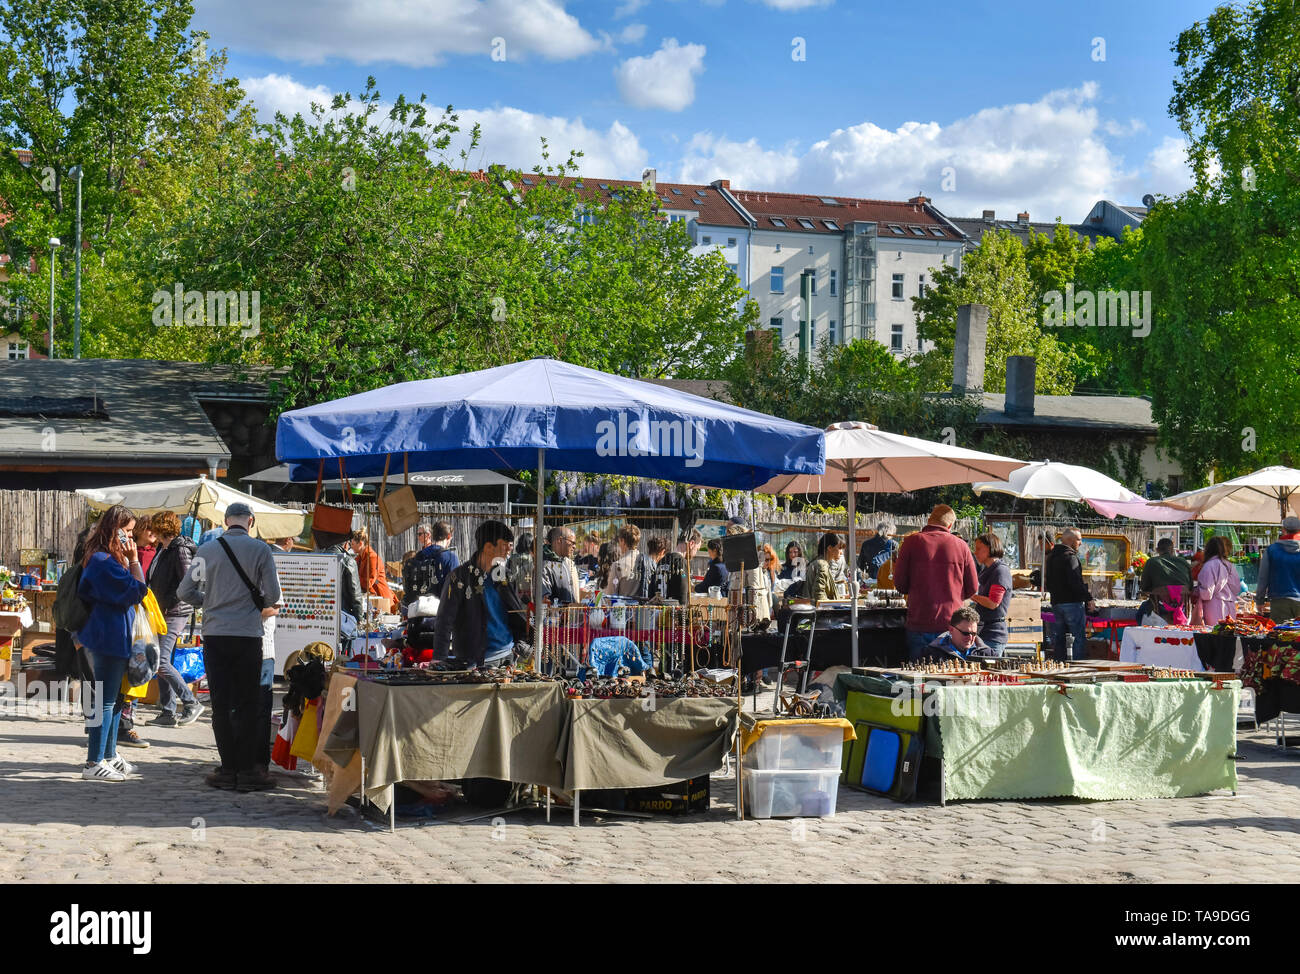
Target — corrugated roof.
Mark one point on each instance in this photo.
(154, 414)
(1118, 413)
(975, 227)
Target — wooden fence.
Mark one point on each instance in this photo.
(45, 519)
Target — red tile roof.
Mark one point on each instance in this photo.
(791, 207)
(713, 210)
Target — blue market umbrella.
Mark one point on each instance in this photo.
(545, 412)
(584, 420)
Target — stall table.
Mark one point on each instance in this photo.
(1272, 670)
(881, 640)
(1156, 646)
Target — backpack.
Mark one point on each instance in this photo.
(71, 613)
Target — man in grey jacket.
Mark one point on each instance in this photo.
(234, 579)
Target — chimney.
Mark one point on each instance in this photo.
(723, 184)
(1021, 370)
(648, 179)
(1023, 219)
(968, 352)
(990, 216)
(919, 200)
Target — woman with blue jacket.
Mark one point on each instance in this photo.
(112, 585)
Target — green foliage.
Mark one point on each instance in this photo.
(995, 274)
(1223, 259)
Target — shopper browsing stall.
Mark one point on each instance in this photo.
(717, 574)
(672, 579)
(1071, 600)
(559, 573)
(1217, 583)
(480, 616)
(962, 638)
(1279, 574)
(936, 571)
(164, 574)
(236, 582)
(994, 596)
(820, 585)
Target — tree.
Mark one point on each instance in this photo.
(1223, 259)
(994, 274)
(379, 259)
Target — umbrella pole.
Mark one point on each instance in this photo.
(851, 563)
(538, 637)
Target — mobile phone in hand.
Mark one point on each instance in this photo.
(122, 538)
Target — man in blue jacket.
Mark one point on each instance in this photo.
(1279, 574)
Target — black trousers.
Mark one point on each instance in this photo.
(234, 665)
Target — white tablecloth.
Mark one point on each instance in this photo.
(24, 617)
(1139, 646)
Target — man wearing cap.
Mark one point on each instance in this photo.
(1279, 574)
(234, 579)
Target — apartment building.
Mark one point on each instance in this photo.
(837, 269)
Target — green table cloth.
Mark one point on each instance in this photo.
(444, 733)
(1103, 741)
(623, 743)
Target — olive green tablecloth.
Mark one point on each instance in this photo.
(444, 733)
(1103, 741)
(529, 733)
(626, 744)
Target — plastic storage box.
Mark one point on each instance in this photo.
(791, 794)
(797, 747)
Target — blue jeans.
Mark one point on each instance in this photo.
(917, 643)
(1071, 618)
(170, 683)
(109, 671)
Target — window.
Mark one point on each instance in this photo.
(806, 224)
(734, 269)
(831, 333)
(776, 222)
(706, 240)
(920, 288)
(898, 287)
(917, 231)
(697, 202)
(676, 191)
(810, 250)
(731, 241)
(604, 186)
(775, 324)
(896, 229)
(812, 335)
(778, 280)
(936, 231)
(832, 294)
(831, 224)
(527, 182)
(830, 202)
(778, 248)
(812, 281)
(895, 338)
(19, 350)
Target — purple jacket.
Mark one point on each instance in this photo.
(1217, 586)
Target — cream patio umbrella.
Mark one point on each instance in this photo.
(200, 497)
(860, 456)
(1266, 497)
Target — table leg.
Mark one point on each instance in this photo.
(576, 802)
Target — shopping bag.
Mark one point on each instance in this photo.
(154, 614)
(133, 693)
(188, 661)
(304, 741)
(142, 664)
(280, 750)
(397, 508)
(325, 517)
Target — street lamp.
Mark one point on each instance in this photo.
(54, 245)
(75, 172)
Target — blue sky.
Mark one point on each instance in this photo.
(1007, 106)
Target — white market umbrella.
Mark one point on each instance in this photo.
(1265, 497)
(1046, 480)
(862, 454)
(200, 497)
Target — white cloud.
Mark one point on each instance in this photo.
(415, 34)
(628, 7)
(509, 136)
(1167, 172)
(632, 34)
(665, 79)
(1050, 157)
(795, 4)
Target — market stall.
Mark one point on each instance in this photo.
(881, 638)
(1068, 731)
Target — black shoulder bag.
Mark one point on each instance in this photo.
(259, 599)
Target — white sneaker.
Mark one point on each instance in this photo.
(103, 771)
(121, 764)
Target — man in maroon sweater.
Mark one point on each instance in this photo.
(936, 571)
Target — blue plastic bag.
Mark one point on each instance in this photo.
(188, 661)
(608, 653)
